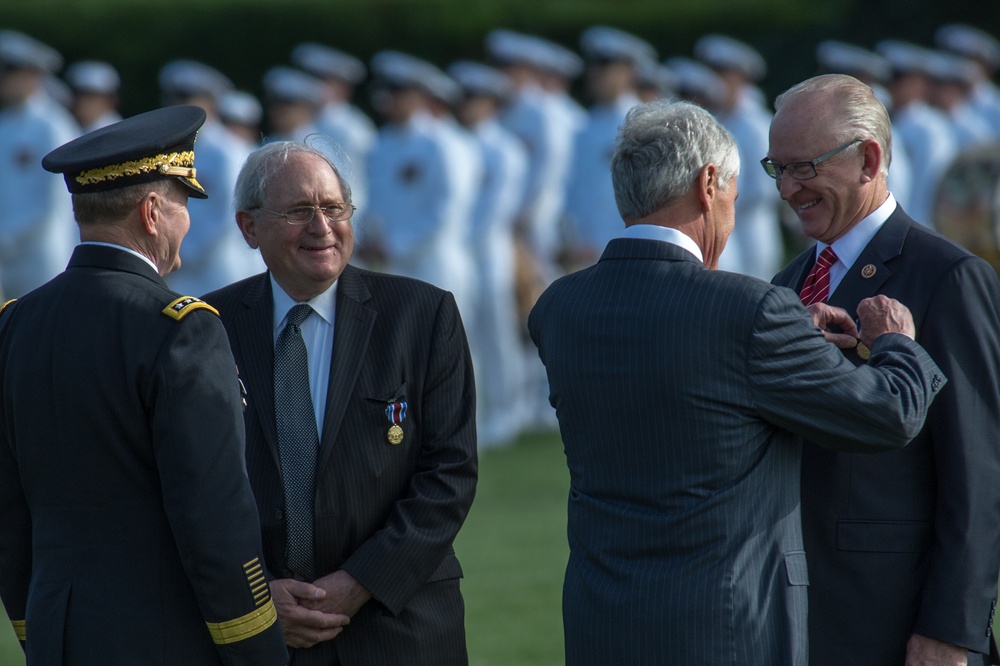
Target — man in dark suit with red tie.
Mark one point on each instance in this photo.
(903, 547)
(361, 443)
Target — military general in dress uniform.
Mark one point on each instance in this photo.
(129, 533)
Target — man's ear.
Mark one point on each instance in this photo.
(248, 227)
(149, 212)
(707, 185)
(872, 152)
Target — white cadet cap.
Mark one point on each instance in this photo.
(698, 79)
(610, 44)
(287, 84)
(905, 57)
(506, 47)
(328, 63)
(650, 73)
(237, 106)
(723, 52)
(184, 78)
(479, 79)
(949, 67)
(844, 58)
(19, 50)
(93, 76)
(402, 70)
(970, 42)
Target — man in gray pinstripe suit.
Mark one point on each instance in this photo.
(390, 379)
(681, 394)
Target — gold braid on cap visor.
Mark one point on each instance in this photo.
(174, 164)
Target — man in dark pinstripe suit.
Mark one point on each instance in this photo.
(391, 384)
(681, 392)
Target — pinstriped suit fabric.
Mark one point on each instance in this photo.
(386, 514)
(677, 389)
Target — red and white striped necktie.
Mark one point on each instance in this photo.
(817, 284)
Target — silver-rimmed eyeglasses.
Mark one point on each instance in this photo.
(305, 214)
(802, 170)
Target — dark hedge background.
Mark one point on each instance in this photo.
(243, 39)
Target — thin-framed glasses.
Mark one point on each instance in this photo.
(305, 214)
(802, 170)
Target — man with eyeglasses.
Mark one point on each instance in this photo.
(903, 548)
(361, 443)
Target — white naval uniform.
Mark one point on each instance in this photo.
(592, 213)
(496, 338)
(755, 246)
(37, 231)
(971, 129)
(545, 126)
(355, 133)
(929, 142)
(422, 187)
(214, 253)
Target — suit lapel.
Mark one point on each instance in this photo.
(866, 277)
(255, 339)
(351, 334)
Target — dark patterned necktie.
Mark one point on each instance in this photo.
(817, 285)
(298, 439)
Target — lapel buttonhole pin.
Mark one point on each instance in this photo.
(868, 271)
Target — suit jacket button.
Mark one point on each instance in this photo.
(279, 514)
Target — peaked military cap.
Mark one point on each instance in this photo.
(155, 145)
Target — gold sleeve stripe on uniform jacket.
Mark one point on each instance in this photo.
(248, 626)
(185, 305)
(20, 629)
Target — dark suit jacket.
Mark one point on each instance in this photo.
(679, 392)
(386, 514)
(126, 517)
(909, 541)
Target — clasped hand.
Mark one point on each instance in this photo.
(312, 613)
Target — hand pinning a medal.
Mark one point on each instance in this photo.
(876, 316)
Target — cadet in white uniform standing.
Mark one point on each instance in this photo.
(613, 59)
(755, 246)
(214, 253)
(37, 231)
(345, 123)
(923, 130)
(95, 86)
(420, 207)
(496, 344)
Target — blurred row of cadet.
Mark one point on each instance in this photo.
(486, 180)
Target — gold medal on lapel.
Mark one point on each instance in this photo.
(395, 435)
(863, 351)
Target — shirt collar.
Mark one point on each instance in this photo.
(324, 304)
(124, 249)
(850, 246)
(664, 234)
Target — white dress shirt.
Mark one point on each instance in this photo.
(317, 333)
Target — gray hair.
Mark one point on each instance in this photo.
(859, 113)
(659, 151)
(110, 206)
(265, 162)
